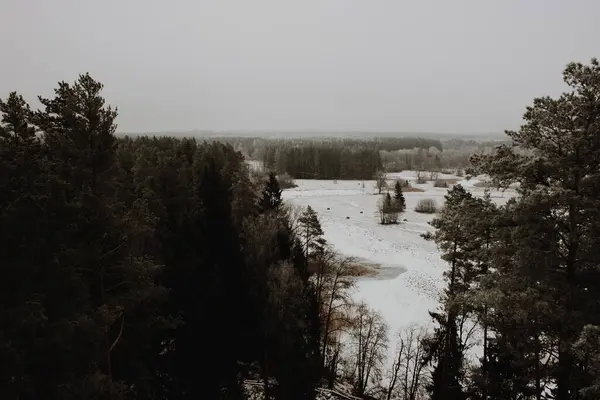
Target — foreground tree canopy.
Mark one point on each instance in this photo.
(527, 273)
(129, 266)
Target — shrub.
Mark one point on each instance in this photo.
(404, 183)
(440, 183)
(426, 206)
(421, 178)
(286, 181)
(427, 235)
(412, 189)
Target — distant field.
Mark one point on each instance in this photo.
(410, 269)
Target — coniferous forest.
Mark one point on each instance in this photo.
(161, 268)
(141, 268)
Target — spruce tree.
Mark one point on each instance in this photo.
(271, 194)
(389, 209)
(399, 200)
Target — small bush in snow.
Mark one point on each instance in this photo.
(421, 177)
(440, 183)
(427, 235)
(404, 183)
(434, 175)
(426, 206)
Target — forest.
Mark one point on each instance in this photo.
(525, 276)
(158, 268)
(329, 158)
(161, 268)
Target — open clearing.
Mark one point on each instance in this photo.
(410, 274)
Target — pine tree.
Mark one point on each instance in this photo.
(108, 279)
(26, 252)
(461, 250)
(587, 350)
(555, 219)
(399, 200)
(387, 203)
(271, 194)
(311, 233)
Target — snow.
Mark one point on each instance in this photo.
(410, 277)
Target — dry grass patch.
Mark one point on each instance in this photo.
(340, 321)
(412, 189)
(361, 270)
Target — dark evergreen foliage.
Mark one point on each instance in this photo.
(271, 194)
(399, 199)
(141, 268)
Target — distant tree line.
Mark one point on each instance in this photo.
(322, 161)
(333, 159)
(254, 147)
(323, 158)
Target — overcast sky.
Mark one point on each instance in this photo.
(457, 66)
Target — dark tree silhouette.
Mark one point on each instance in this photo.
(271, 194)
(399, 200)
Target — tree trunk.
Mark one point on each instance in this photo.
(264, 371)
(328, 317)
(395, 371)
(484, 364)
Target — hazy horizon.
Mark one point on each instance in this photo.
(462, 68)
(320, 134)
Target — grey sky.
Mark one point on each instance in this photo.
(418, 65)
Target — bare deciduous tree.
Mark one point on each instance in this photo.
(333, 284)
(380, 182)
(420, 175)
(370, 344)
(407, 373)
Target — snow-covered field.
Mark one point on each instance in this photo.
(410, 275)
